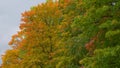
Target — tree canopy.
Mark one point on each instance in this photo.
(67, 34)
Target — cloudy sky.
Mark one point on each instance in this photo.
(10, 15)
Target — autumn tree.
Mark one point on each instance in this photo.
(37, 39)
(67, 34)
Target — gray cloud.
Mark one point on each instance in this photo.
(10, 14)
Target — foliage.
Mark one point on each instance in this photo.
(67, 34)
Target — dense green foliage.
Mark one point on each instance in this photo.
(67, 34)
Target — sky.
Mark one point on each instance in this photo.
(10, 16)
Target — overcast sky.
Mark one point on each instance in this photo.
(10, 15)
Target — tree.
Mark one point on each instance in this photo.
(67, 34)
(101, 27)
(37, 40)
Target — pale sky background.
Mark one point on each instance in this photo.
(10, 15)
